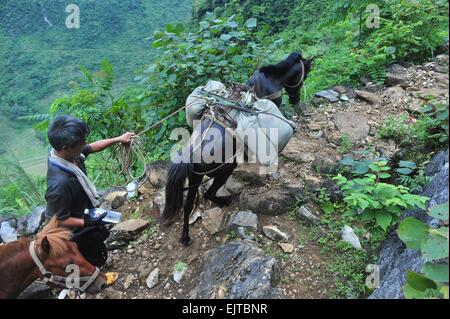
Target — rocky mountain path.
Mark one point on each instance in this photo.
(293, 260)
(314, 151)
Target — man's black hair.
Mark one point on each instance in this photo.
(68, 131)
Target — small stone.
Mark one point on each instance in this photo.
(194, 217)
(153, 278)
(306, 216)
(368, 97)
(128, 281)
(330, 95)
(287, 248)
(245, 219)
(157, 246)
(178, 275)
(212, 220)
(274, 233)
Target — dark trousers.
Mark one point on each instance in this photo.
(91, 243)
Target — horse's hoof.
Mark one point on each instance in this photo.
(186, 241)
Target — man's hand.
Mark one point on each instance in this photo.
(88, 221)
(126, 138)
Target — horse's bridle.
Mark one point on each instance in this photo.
(61, 281)
(279, 93)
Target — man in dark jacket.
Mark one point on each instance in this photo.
(69, 191)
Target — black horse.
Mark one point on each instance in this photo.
(268, 83)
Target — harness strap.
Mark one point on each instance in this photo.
(273, 96)
(49, 277)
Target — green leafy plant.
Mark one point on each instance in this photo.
(371, 200)
(432, 127)
(432, 282)
(345, 144)
(396, 128)
(411, 176)
(180, 266)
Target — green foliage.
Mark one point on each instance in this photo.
(345, 145)
(396, 128)
(39, 61)
(346, 48)
(224, 49)
(411, 176)
(433, 243)
(346, 265)
(180, 266)
(431, 129)
(376, 202)
(19, 192)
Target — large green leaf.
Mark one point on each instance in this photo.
(440, 212)
(404, 171)
(383, 219)
(412, 232)
(361, 169)
(251, 23)
(418, 286)
(347, 161)
(407, 164)
(435, 247)
(437, 272)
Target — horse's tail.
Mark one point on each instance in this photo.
(176, 177)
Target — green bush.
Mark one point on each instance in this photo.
(372, 201)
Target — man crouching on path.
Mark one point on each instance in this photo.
(69, 190)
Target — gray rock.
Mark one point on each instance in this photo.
(238, 270)
(330, 95)
(233, 186)
(179, 274)
(274, 233)
(22, 223)
(245, 219)
(355, 126)
(159, 203)
(153, 278)
(395, 94)
(35, 220)
(7, 233)
(396, 75)
(369, 97)
(126, 231)
(395, 258)
(157, 173)
(212, 220)
(250, 174)
(306, 216)
(272, 202)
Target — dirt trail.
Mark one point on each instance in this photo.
(303, 272)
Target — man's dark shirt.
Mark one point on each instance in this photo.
(65, 196)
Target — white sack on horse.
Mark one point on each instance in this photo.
(268, 145)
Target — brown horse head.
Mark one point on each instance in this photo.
(57, 252)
